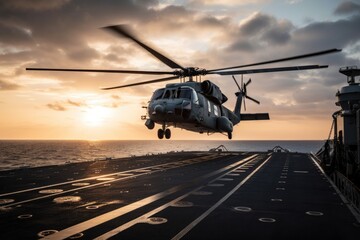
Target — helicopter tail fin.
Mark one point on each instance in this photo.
(239, 100)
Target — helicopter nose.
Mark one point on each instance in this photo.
(158, 109)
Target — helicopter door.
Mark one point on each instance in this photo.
(200, 108)
(197, 108)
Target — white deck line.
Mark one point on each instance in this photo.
(93, 222)
(100, 183)
(210, 210)
(100, 176)
(142, 218)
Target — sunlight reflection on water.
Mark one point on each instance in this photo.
(29, 153)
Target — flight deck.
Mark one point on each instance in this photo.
(180, 195)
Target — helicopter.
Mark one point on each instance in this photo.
(192, 104)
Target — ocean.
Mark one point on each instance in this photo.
(33, 153)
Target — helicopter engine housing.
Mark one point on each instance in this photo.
(212, 91)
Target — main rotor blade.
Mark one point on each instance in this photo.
(282, 59)
(266, 70)
(252, 99)
(142, 83)
(123, 31)
(101, 70)
(236, 83)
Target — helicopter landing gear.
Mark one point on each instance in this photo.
(160, 134)
(229, 135)
(167, 133)
(164, 131)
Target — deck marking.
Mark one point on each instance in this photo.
(215, 185)
(88, 186)
(6, 200)
(314, 213)
(143, 218)
(93, 222)
(156, 220)
(267, 220)
(182, 204)
(242, 209)
(124, 173)
(210, 210)
(25, 216)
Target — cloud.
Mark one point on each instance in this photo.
(256, 23)
(309, 94)
(36, 5)
(116, 97)
(5, 85)
(147, 3)
(321, 35)
(76, 104)
(56, 106)
(291, 2)
(69, 36)
(347, 8)
(61, 36)
(259, 31)
(14, 34)
(115, 105)
(66, 41)
(90, 102)
(83, 54)
(224, 2)
(64, 105)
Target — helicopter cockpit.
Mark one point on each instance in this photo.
(183, 92)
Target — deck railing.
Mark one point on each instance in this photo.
(347, 188)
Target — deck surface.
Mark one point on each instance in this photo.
(176, 195)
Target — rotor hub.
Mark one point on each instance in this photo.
(190, 72)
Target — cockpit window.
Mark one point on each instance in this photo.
(167, 94)
(158, 94)
(184, 93)
(181, 92)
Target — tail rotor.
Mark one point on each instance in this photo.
(243, 90)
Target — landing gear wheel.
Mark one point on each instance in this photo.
(230, 135)
(167, 133)
(160, 134)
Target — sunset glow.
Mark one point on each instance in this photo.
(95, 117)
(201, 33)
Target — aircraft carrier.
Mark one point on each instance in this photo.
(180, 195)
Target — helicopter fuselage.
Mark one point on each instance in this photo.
(193, 106)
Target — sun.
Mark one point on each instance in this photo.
(95, 116)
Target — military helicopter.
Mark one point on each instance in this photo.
(194, 105)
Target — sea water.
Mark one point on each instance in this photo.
(32, 153)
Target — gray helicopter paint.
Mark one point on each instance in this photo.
(199, 112)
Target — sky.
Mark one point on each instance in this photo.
(201, 33)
